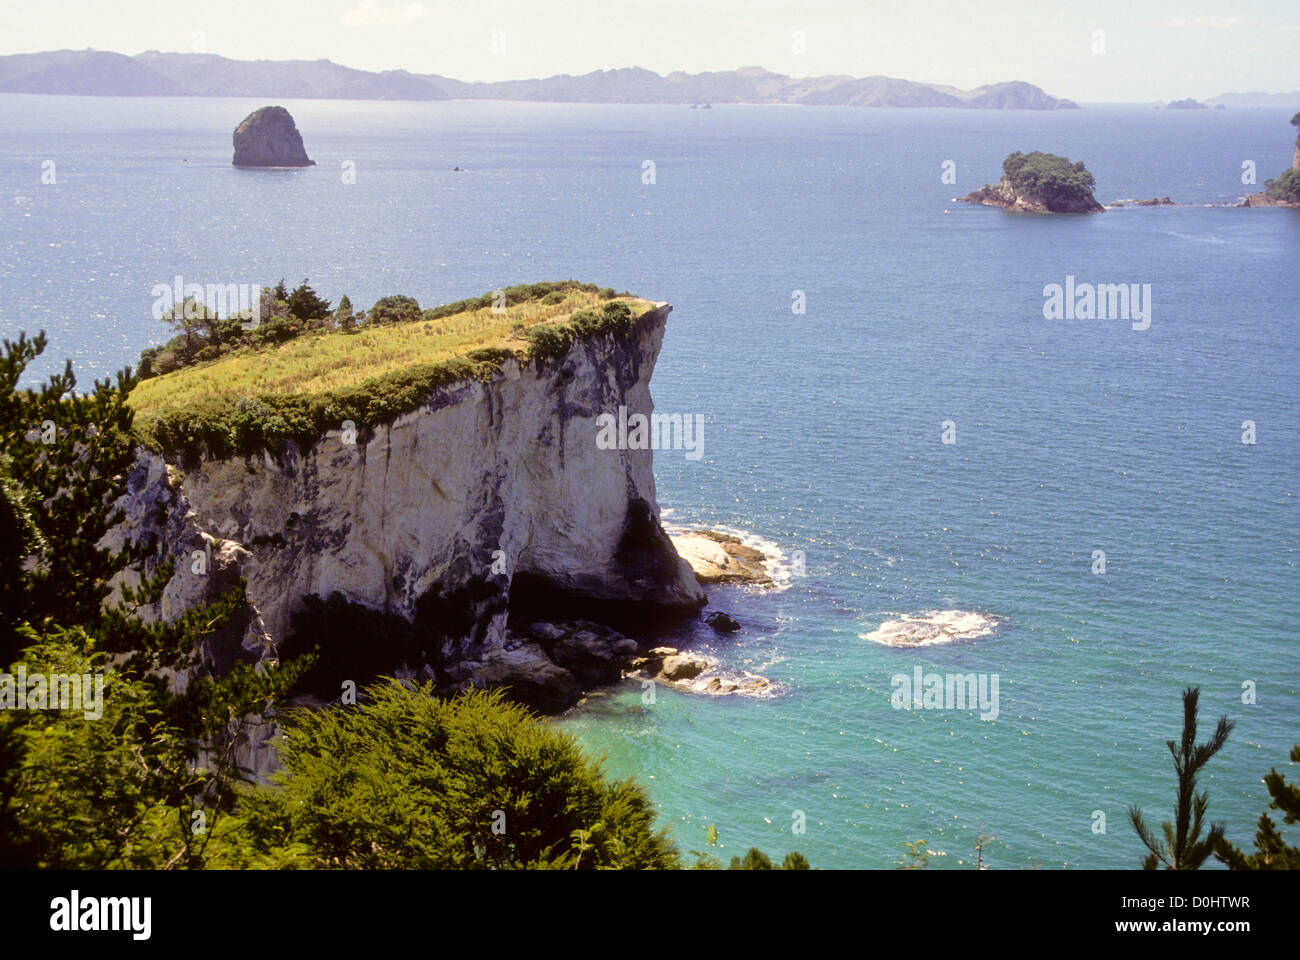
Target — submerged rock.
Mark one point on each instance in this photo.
(721, 622)
(269, 138)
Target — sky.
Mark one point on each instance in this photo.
(1094, 51)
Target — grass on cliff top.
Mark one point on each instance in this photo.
(261, 398)
(331, 361)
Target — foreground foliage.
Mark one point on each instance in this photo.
(121, 789)
(1272, 852)
(406, 780)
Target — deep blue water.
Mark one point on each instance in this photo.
(823, 429)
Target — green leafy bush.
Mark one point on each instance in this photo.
(554, 340)
(1286, 187)
(408, 781)
(616, 312)
(550, 293)
(394, 309)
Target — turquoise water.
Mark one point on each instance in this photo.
(823, 429)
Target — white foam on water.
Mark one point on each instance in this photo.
(932, 627)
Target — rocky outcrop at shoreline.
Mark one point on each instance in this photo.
(547, 665)
(1285, 191)
(551, 666)
(694, 673)
(1005, 196)
(269, 138)
(717, 557)
(1264, 200)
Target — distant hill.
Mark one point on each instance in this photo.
(756, 85)
(1256, 100)
(99, 73)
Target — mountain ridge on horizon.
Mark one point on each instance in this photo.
(153, 73)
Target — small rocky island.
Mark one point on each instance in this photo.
(269, 138)
(1188, 104)
(1039, 183)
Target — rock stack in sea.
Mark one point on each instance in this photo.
(269, 138)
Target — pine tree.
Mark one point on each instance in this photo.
(1182, 847)
(1272, 850)
(306, 305)
(65, 455)
(344, 315)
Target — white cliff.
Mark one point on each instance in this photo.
(489, 496)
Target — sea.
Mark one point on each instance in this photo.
(887, 408)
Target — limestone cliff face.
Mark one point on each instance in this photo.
(489, 496)
(269, 138)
